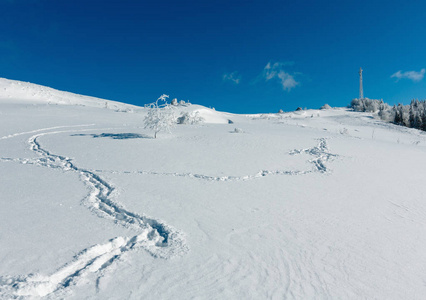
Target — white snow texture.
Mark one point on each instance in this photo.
(313, 204)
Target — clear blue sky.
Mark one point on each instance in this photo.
(239, 56)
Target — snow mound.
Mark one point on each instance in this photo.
(18, 91)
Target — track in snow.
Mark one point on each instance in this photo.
(158, 238)
(320, 155)
(40, 130)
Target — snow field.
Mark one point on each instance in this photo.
(304, 205)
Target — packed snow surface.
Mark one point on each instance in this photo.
(315, 204)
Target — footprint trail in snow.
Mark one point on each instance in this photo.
(156, 237)
(320, 153)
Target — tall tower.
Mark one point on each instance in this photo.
(361, 92)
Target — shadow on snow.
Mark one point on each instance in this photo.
(116, 136)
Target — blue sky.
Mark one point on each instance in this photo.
(238, 56)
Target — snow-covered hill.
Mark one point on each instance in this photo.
(316, 204)
(24, 92)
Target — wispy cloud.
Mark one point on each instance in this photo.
(412, 75)
(276, 71)
(233, 77)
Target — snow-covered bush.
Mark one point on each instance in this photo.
(325, 106)
(387, 114)
(238, 130)
(160, 116)
(184, 103)
(366, 105)
(190, 118)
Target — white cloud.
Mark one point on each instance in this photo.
(288, 82)
(276, 71)
(233, 77)
(412, 75)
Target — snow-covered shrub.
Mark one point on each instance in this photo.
(190, 118)
(366, 105)
(174, 102)
(160, 116)
(325, 106)
(280, 111)
(238, 130)
(184, 103)
(386, 114)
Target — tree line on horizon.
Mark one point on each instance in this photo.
(412, 115)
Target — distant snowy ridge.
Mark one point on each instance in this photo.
(14, 91)
(19, 91)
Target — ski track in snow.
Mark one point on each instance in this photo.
(156, 237)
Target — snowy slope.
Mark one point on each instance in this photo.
(302, 205)
(12, 91)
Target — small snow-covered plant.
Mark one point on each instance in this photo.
(238, 130)
(325, 106)
(160, 116)
(191, 118)
(344, 131)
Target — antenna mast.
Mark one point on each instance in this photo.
(361, 92)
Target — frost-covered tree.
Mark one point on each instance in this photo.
(161, 116)
(399, 115)
(366, 105)
(423, 120)
(412, 115)
(419, 120)
(386, 113)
